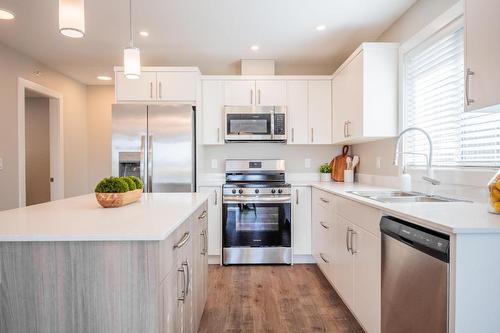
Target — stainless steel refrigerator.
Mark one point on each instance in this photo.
(157, 144)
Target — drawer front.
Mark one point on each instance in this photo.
(363, 216)
(168, 255)
(201, 214)
(324, 200)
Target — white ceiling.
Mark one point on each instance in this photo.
(211, 34)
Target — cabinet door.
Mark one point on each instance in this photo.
(214, 219)
(212, 111)
(348, 101)
(296, 103)
(482, 49)
(188, 305)
(177, 86)
(343, 263)
(301, 200)
(270, 93)
(168, 303)
(141, 89)
(320, 111)
(239, 93)
(367, 279)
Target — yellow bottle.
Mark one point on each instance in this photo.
(494, 190)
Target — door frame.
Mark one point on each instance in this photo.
(55, 138)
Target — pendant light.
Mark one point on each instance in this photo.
(72, 18)
(131, 54)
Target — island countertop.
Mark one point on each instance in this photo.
(81, 218)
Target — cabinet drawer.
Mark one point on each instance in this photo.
(168, 255)
(324, 200)
(363, 216)
(201, 214)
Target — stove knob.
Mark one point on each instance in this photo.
(240, 191)
(256, 191)
(280, 191)
(234, 191)
(273, 191)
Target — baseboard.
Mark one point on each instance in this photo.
(303, 259)
(214, 260)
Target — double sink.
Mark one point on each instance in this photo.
(401, 197)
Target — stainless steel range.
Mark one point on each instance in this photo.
(256, 213)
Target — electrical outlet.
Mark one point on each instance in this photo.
(214, 163)
(378, 162)
(307, 163)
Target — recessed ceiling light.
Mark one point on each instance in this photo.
(254, 47)
(144, 33)
(6, 14)
(321, 27)
(104, 78)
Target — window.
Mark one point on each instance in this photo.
(434, 100)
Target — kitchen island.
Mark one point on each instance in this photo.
(72, 266)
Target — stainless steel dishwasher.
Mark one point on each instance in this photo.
(415, 278)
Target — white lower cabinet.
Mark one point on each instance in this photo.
(301, 205)
(349, 254)
(214, 219)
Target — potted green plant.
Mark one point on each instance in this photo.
(118, 191)
(325, 172)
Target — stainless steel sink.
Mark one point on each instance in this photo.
(402, 197)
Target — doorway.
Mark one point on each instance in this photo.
(40, 148)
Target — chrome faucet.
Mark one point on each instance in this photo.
(428, 157)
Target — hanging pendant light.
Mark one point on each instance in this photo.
(72, 18)
(131, 54)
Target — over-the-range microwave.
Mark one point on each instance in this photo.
(255, 123)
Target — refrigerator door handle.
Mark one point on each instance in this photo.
(150, 164)
(142, 163)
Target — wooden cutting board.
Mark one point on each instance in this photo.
(339, 164)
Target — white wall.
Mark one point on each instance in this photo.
(411, 22)
(12, 66)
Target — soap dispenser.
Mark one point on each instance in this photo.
(405, 181)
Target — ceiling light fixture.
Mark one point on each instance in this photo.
(6, 14)
(104, 78)
(144, 33)
(321, 27)
(254, 47)
(131, 54)
(72, 18)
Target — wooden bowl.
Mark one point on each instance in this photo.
(111, 200)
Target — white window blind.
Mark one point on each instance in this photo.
(434, 101)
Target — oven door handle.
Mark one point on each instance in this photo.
(233, 200)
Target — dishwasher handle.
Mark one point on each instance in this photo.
(420, 238)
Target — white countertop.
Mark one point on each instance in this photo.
(81, 218)
(448, 217)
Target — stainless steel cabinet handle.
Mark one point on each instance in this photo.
(293, 135)
(151, 90)
(468, 100)
(218, 134)
(187, 276)
(159, 89)
(142, 162)
(202, 215)
(324, 225)
(251, 96)
(182, 295)
(296, 196)
(353, 251)
(347, 234)
(206, 241)
(324, 200)
(258, 92)
(323, 258)
(183, 240)
(202, 234)
(312, 135)
(150, 163)
(215, 197)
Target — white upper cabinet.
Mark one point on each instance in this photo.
(212, 112)
(320, 111)
(296, 104)
(270, 92)
(365, 94)
(158, 84)
(177, 86)
(239, 93)
(141, 89)
(482, 51)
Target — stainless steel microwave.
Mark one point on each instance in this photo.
(255, 123)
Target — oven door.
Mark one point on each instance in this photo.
(248, 126)
(256, 224)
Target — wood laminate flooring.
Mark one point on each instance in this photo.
(273, 299)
